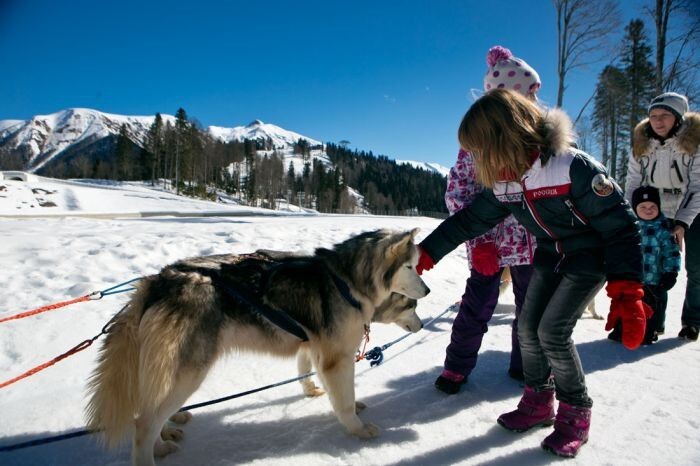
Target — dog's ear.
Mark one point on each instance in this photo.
(401, 242)
(414, 232)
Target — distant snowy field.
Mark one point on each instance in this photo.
(646, 408)
(50, 197)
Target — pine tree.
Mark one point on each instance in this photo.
(639, 71)
(123, 154)
(291, 178)
(611, 115)
(251, 169)
(306, 184)
(181, 125)
(154, 144)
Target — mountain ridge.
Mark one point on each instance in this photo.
(42, 139)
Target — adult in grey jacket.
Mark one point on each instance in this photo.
(666, 155)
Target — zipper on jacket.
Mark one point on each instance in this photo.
(653, 169)
(687, 202)
(538, 220)
(556, 267)
(575, 212)
(678, 170)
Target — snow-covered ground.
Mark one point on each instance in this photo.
(46, 197)
(646, 401)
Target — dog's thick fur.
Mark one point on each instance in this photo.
(178, 323)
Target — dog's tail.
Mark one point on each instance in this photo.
(113, 386)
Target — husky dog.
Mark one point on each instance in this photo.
(178, 322)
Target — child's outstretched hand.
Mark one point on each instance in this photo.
(626, 304)
(485, 258)
(425, 262)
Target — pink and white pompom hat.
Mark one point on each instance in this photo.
(508, 72)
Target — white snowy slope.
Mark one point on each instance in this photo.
(427, 166)
(646, 409)
(100, 198)
(46, 136)
(8, 124)
(257, 130)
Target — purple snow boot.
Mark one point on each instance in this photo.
(535, 409)
(570, 430)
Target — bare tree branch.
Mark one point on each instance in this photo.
(583, 27)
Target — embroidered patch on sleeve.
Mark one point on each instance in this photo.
(602, 185)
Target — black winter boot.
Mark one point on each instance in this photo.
(616, 334)
(450, 382)
(689, 332)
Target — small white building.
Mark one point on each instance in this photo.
(17, 176)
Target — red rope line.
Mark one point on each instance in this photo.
(49, 307)
(360, 356)
(81, 346)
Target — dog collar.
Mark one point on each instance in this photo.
(345, 291)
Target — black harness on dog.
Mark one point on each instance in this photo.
(279, 318)
(345, 291)
(245, 296)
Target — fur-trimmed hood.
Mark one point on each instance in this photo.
(558, 131)
(688, 136)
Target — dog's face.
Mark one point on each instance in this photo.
(405, 279)
(400, 310)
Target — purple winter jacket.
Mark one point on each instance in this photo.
(516, 246)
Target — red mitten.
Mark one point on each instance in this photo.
(626, 304)
(425, 262)
(485, 258)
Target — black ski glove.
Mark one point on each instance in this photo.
(667, 281)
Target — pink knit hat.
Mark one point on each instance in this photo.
(509, 72)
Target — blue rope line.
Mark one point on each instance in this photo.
(83, 432)
(108, 291)
(45, 440)
(116, 291)
(375, 357)
(249, 392)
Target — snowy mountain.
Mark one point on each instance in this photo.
(41, 139)
(45, 138)
(35, 143)
(257, 130)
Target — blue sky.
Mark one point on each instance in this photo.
(392, 76)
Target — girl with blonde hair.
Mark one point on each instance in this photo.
(586, 234)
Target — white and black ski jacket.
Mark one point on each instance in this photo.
(672, 166)
(566, 199)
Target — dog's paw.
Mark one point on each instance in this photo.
(171, 433)
(367, 431)
(359, 406)
(181, 417)
(310, 389)
(161, 449)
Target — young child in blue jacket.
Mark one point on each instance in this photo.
(661, 259)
